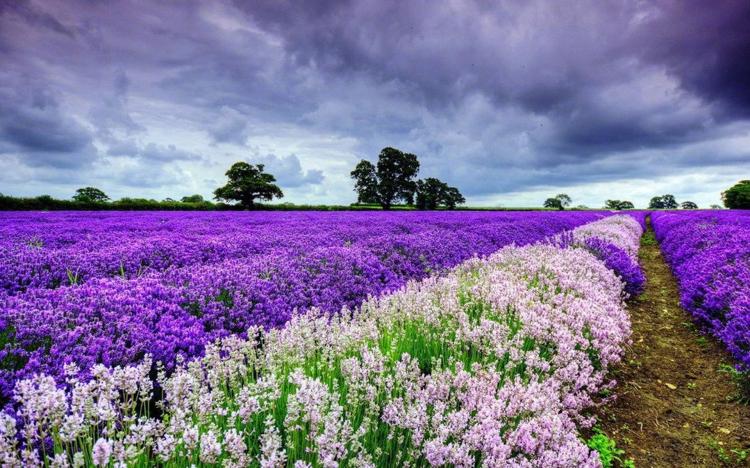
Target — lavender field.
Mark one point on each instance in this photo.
(93, 288)
(311, 339)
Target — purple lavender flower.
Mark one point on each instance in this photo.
(709, 253)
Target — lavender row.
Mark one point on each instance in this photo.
(114, 322)
(709, 253)
(494, 364)
(48, 250)
(615, 241)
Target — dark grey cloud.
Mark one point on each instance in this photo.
(706, 46)
(33, 126)
(35, 16)
(110, 113)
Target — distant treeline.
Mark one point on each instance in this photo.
(48, 203)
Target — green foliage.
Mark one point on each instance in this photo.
(390, 181)
(618, 205)
(432, 193)
(648, 238)
(688, 205)
(664, 202)
(558, 202)
(45, 202)
(565, 199)
(735, 457)
(738, 196)
(365, 182)
(248, 182)
(742, 379)
(197, 198)
(608, 451)
(553, 203)
(90, 195)
(396, 172)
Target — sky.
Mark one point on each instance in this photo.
(510, 101)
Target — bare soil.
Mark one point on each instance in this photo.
(675, 406)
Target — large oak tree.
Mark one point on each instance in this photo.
(247, 183)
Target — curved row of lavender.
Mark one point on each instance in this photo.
(492, 364)
(709, 253)
(615, 243)
(191, 278)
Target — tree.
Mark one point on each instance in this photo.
(396, 171)
(664, 202)
(432, 193)
(453, 198)
(248, 182)
(193, 199)
(553, 203)
(618, 205)
(715, 207)
(669, 202)
(392, 180)
(90, 195)
(688, 205)
(627, 205)
(560, 201)
(738, 196)
(565, 200)
(656, 203)
(365, 182)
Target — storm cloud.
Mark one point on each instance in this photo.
(506, 100)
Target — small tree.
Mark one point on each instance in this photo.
(656, 203)
(248, 182)
(559, 202)
(565, 200)
(553, 203)
(197, 198)
(669, 202)
(432, 193)
(618, 205)
(688, 205)
(90, 195)
(738, 196)
(715, 207)
(365, 182)
(664, 202)
(392, 180)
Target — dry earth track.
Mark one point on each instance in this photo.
(675, 407)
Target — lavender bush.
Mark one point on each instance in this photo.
(615, 242)
(493, 363)
(709, 252)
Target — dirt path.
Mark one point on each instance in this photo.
(674, 407)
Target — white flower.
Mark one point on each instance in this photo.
(210, 448)
(101, 452)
